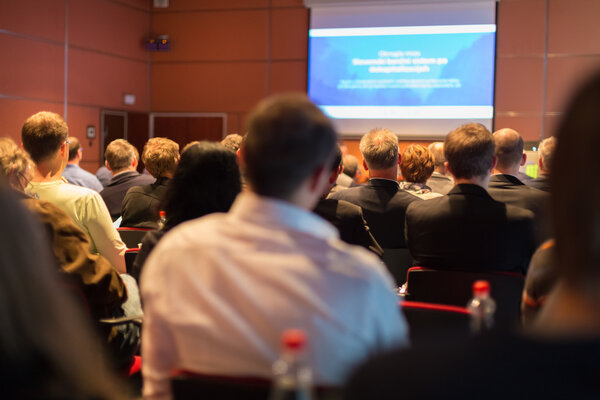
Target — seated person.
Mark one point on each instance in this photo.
(207, 180)
(558, 357)
(122, 161)
(141, 203)
(345, 216)
(467, 229)
(48, 350)
(439, 182)
(416, 165)
(76, 175)
(383, 203)
(218, 291)
(44, 137)
(545, 153)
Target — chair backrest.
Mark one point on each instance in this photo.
(130, 255)
(397, 261)
(132, 236)
(456, 288)
(435, 323)
(186, 385)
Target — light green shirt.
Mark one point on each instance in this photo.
(87, 209)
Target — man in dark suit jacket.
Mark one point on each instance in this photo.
(545, 153)
(140, 208)
(122, 161)
(468, 229)
(383, 203)
(346, 217)
(506, 187)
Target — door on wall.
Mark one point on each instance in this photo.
(113, 125)
(187, 127)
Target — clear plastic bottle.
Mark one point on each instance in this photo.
(482, 308)
(292, 378)
(162, 219)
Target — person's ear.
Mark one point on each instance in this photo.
(365, 165)
(134, 162)
(107, 166)
(524, 159)
(241, 157)
(494, 163)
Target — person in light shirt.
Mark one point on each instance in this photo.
(219, 291)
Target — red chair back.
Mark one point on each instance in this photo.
(435, 323)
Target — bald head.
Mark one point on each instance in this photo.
(509, 150)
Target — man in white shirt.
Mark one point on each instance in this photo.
(44, 137)
(220, 290)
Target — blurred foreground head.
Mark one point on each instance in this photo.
(577, 218)
(289, 140)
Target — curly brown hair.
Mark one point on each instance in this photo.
(417, 164)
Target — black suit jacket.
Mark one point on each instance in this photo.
(114, 192)
(440, 183)
(510, 190)
(384, 207)
(141, 203)
(349, 221)
(542, 182)
(469, 230)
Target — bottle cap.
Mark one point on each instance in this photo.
(162, 214)
(481, 287)
(293, 339)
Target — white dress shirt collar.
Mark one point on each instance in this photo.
(269, 211)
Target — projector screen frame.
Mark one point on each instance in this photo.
(444, 127)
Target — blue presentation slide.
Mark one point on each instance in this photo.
(403, 72)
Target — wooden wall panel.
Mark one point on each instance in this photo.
(207, 36)
(33, 70)
(288, 76)
(203, 5)
(565, 74)
(289, 33)
(207, 87)
(529, 126)
(572, 25)
(99, 79)
(520, 87)
(521, 29)
(40, 18)
(13, 114)
(108, 27)
(78, 119)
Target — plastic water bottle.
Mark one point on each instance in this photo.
(482, 308)
(292, 378)
(162, 219)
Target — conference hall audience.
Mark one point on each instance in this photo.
(346, 178)
(545, 154)
(467, 229)
(381, 199)
(122, 161)
(416, 165)
(346, 217)
(218, 291)
(140, 207)
(76, 175)
(439, 182)
(558, 357)
(207, 180)
(47, 347)
(44, 136)
(505, 186)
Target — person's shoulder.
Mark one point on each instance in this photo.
(514, 213)
(426, 205)
(354, 192)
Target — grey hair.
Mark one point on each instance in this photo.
(379, 148)
(546, 151)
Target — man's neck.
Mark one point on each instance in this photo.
(44, 172)
(73, 162)
(475, 180)
(122, 171)
(507, 171)
(390, 173)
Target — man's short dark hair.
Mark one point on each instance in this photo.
(42, 135)
(469, 151)
(288, 138)
(73, 147)
(337, 158)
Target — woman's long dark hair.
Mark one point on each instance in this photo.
(207, 180)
